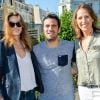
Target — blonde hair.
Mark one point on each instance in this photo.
(24, 36)
(77, 30)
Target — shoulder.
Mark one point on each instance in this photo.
(41, 44)
(68, 43)
(38, 46)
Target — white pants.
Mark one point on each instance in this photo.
(86, 93)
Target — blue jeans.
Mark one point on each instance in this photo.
(29, 95)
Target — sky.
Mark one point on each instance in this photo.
(51, 5)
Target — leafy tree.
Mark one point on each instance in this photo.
(98, 23)
(42, 37)
(66, 26)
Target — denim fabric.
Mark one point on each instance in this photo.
(30, 95)
(11, 86)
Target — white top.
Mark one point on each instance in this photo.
(26, 71)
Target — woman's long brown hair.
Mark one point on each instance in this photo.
(24, 37)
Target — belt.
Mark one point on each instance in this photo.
(92, 86)
(27, 92)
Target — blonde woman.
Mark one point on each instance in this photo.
(87, 52)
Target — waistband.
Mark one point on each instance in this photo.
(27, 92)
(92, 86)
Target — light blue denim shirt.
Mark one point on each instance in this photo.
(89, 63)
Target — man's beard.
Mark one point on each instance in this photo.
(52, 39)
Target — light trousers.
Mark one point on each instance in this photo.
(86, 93)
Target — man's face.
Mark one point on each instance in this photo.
(51, 29)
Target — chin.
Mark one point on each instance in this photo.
(51, 40)
(85, 30)
(16, 34)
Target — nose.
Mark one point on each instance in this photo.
(83, 19)
(50, 28)
(15, 25)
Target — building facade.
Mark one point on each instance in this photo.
(72, 4)
(39, 14)
(32, 15)
(18, 5)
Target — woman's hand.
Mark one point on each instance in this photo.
(73, 70)
(1, 98)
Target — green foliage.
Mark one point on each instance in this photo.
(34, 41)
(98, 23)
(75, 77)
(66, 26)
(42, 37)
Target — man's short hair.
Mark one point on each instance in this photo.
(52, 16)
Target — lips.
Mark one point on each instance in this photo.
(50, 33)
